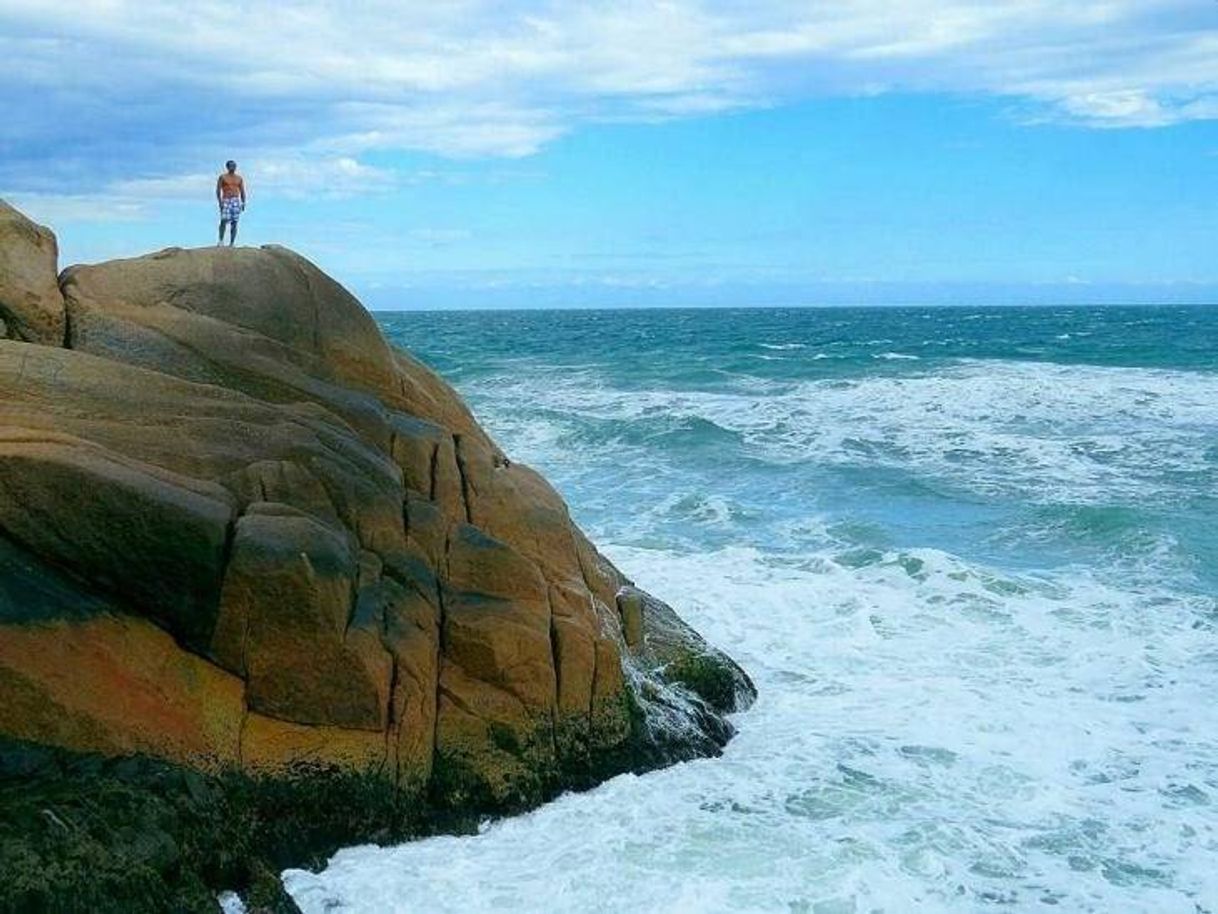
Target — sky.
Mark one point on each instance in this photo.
(515, 154)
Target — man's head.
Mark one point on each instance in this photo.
(231, 166)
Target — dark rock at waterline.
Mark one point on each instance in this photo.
(243, 536)
(85, 833)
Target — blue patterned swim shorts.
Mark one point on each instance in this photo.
(230, 209)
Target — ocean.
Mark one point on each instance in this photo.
(970, 558)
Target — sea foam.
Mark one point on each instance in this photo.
(977, 595)
(931, 735)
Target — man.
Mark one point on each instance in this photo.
(230, 194)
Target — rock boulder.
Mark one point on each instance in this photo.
(31, 306)
(238, 530)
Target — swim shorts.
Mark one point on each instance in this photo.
(230, 209)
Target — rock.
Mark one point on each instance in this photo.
(240, 533)
(130, 528)
(285, 624)
(630, 607)
(117, 684)
(31, 306)
(666, 646)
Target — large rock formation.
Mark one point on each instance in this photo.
(239, 531)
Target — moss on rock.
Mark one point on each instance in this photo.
(707, 676)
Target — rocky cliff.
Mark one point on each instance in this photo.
(239, 532)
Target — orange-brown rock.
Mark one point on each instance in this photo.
(117, 684)
(238, 528)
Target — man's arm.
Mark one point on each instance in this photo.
(219, 184)
(241, 187)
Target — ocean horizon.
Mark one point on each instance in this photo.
(805, 307)
(372, 298)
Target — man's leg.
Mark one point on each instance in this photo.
(220, 240)
(232, 232)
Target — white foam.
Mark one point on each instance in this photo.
(1038, 431)
(931, 735)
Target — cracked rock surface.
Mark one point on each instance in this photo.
(238, 530)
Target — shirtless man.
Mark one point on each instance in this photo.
(230, 194)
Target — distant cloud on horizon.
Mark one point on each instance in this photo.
(116, 101)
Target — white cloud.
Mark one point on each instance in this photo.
(316, 85)
(61, 209)
(460, 130)
(439, 237)
(300, 177)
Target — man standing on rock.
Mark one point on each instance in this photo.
(230, 194)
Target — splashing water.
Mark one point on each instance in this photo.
(977, 589)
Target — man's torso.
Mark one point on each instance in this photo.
(230, 186)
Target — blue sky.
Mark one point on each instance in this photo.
(663, 153)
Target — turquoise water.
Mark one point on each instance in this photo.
(968, 555)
